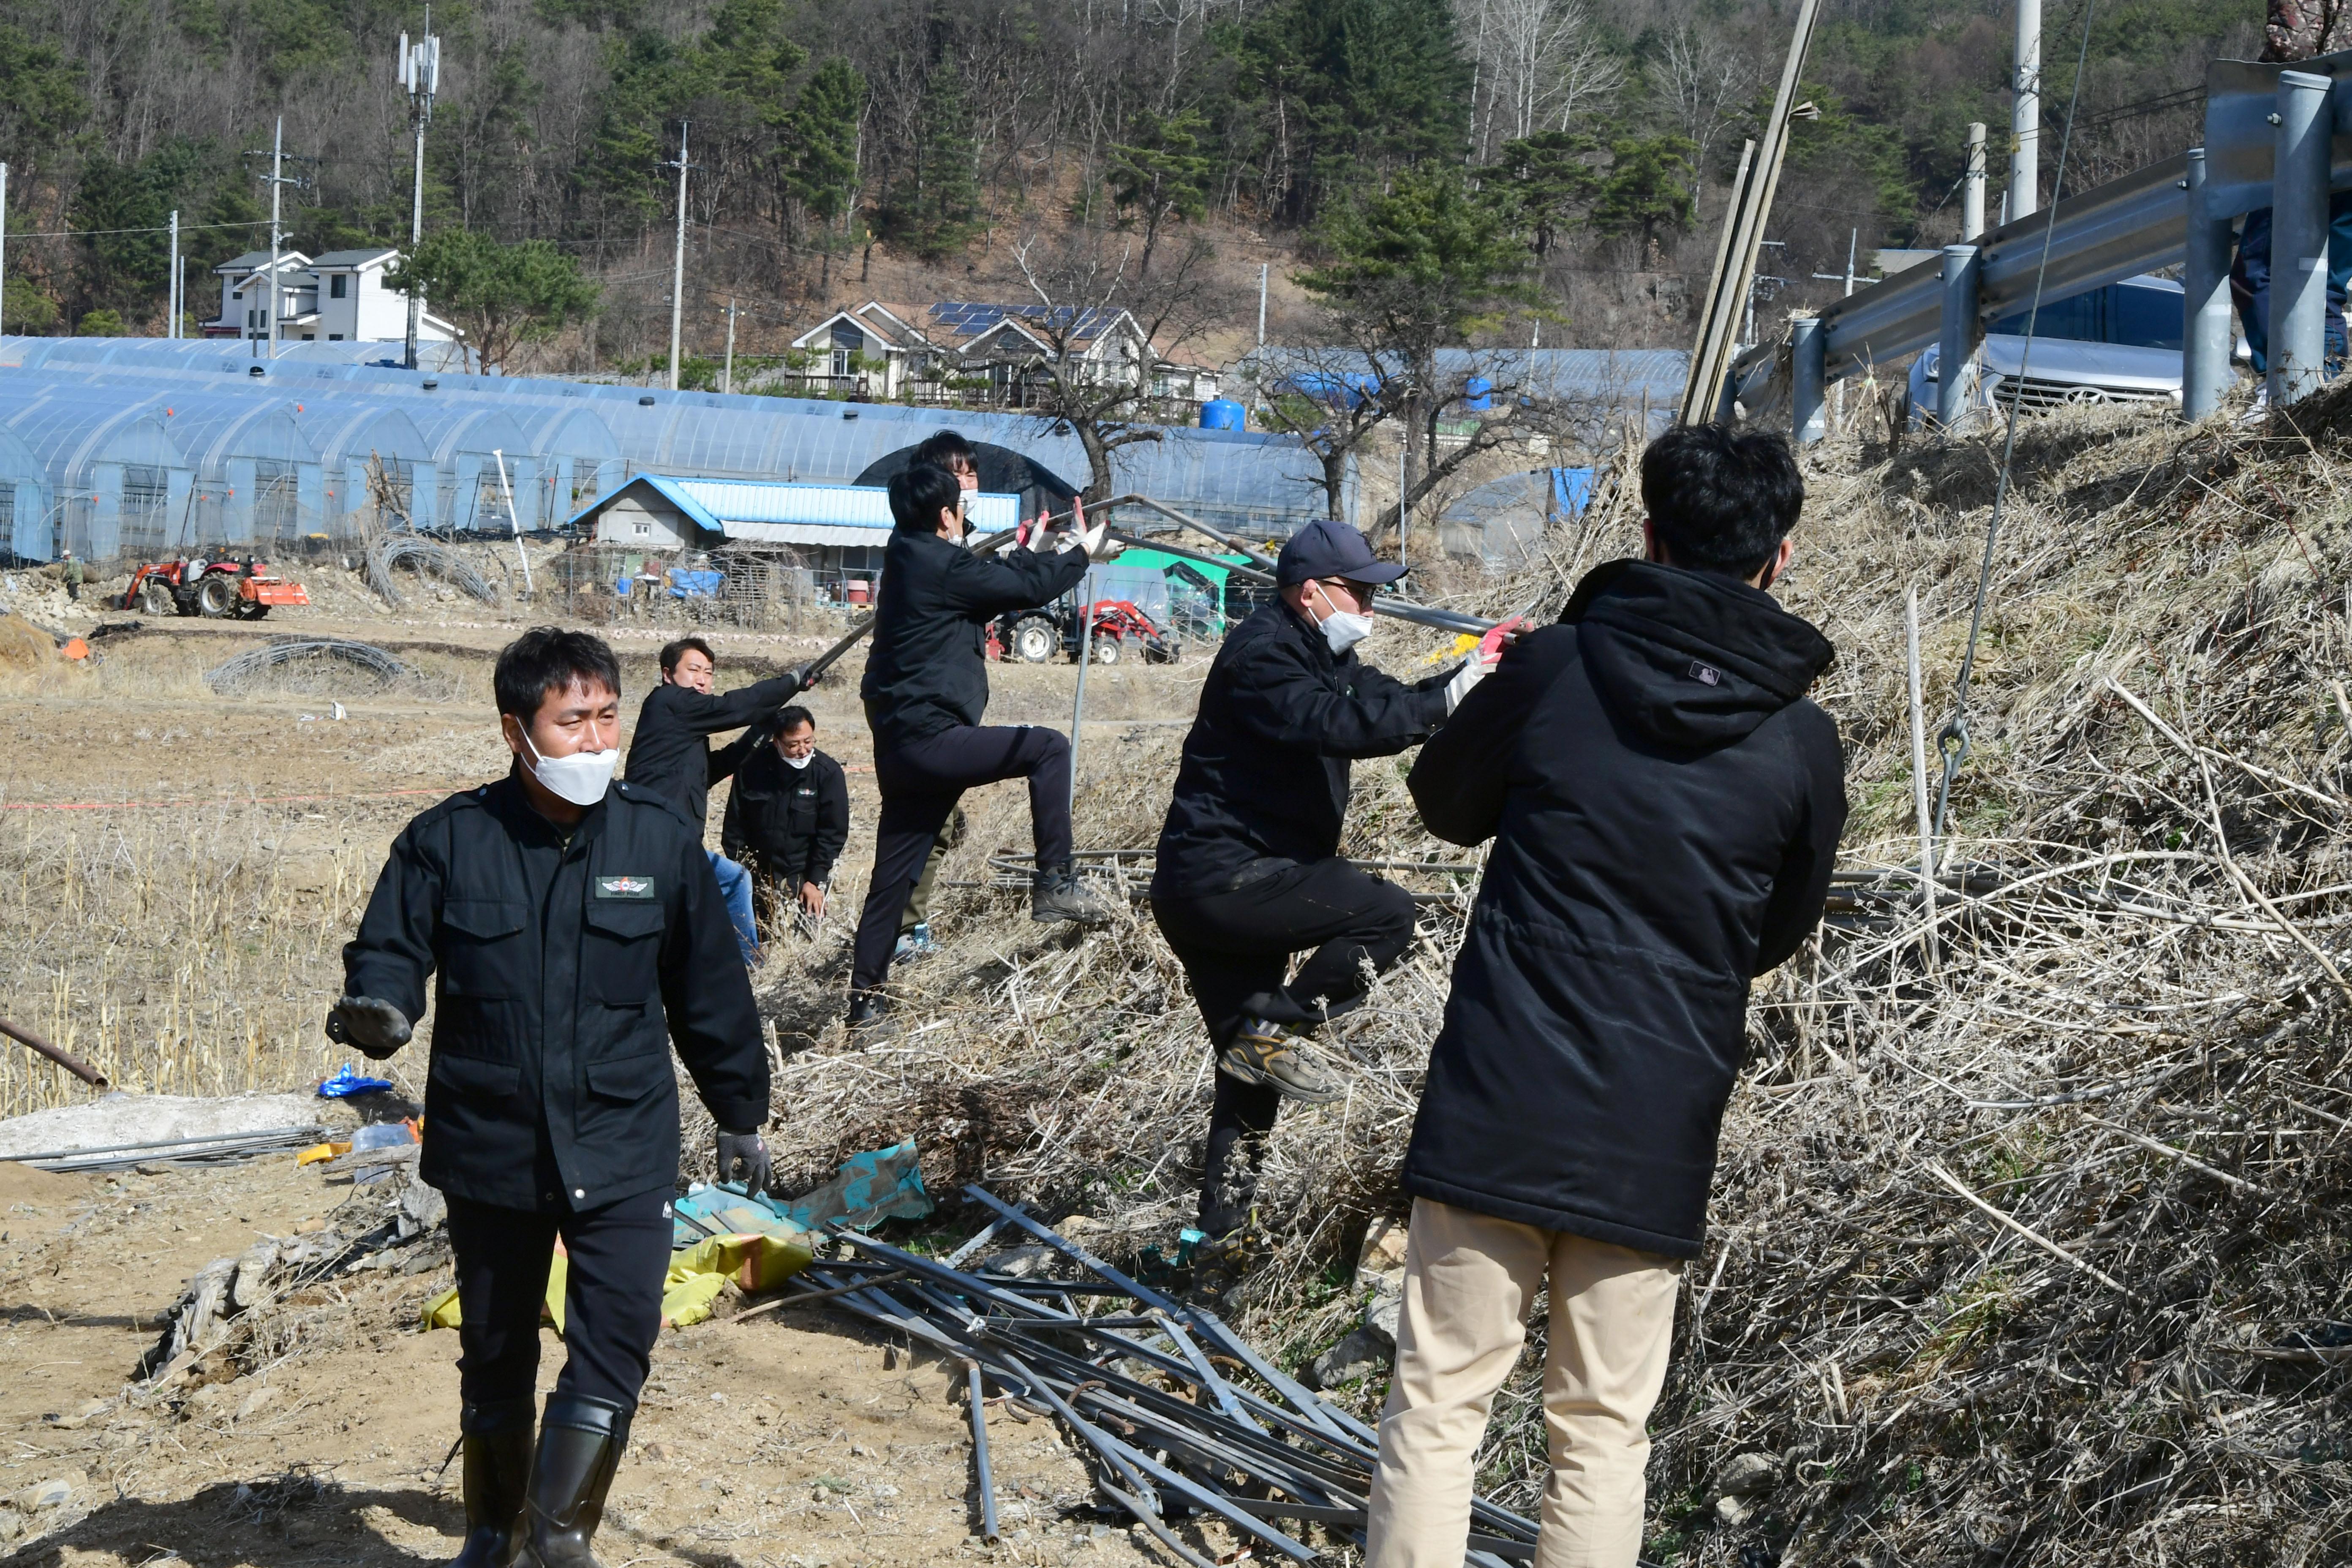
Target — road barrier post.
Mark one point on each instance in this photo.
(1959, 337)
(2299, 195)
(2206, 334)
(1809, 378)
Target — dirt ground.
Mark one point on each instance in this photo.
(792, 1439)
(795, 1439)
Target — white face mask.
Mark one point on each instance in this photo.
(1343, 629)
(581, 778)
(792, 761)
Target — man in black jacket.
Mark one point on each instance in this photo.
(573, 931)
(787, 818)
(1665, 805)
(926, 688)
(1248, 867)
(670, 752)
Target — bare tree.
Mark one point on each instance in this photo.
(1105, 331)
(1706, 77)
(1538, 62)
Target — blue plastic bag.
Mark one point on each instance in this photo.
(347, 1083)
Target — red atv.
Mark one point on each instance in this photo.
(245, 590)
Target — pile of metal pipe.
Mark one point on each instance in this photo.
(1185, 1419)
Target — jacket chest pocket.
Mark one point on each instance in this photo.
(481, 951)
(620, 956)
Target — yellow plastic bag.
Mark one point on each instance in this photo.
(698, 1273)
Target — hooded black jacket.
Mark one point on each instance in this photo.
(928, 670)
(1665, 806)
(563, 968)
(1264, 770)
(669, 751)
(789, 822)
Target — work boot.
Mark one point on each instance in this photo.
(497, 1443)
(1220, 1265)
(1057, 895)
(867, 1011)
(1267, 1053)
(580, 1445)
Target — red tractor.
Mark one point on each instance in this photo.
(245, 590)
(1121, 631)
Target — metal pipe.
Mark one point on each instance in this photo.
(2299, 195)
(1957, 340)
(63, 1059)
(1402, 610)
(980, 1452)
(1808, 379)
(2207, 334)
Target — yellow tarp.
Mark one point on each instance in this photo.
(696, 1275)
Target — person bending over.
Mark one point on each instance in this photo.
(1664, 806)
(926, 688)
(670, 752)
(787, 818)
(1248, 870)
(572, 932)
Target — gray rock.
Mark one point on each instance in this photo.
(1745, 1475)
(1357, 1356)
(1380, 1317)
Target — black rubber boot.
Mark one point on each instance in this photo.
(497, 1443)
(1055, 894)
(580, 1445)
(868, 1010)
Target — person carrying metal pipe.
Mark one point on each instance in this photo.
(1248, 870)
(925, 689)
(573, 929)
(1665, 805)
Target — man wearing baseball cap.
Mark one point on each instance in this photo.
(1249, 869)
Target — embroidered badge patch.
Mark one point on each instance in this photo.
(1706, 673)
(624, 886)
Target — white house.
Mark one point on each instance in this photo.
(871, 349)
(334, 298)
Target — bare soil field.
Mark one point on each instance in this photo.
(186, 865)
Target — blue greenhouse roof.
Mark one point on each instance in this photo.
(761, 513)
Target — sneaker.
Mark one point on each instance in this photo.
(1267, 1053)
(1058, 895)
(915, 942)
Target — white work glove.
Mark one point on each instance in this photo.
(1482, 658)
(1473, 672)
(1095, 541)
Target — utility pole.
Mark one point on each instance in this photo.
(4, 239)
(1972, 178)
(1261, 304)
(278, 179)
(420, 75)
(2025, 118)
(277, 235)
(677, 262)
(171, 288)
(727, 372)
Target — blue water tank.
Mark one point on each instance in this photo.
(1479, 395)
(1224, 413)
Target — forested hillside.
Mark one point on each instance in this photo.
(831, 138)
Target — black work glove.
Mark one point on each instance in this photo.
(376, 1028)
(748, 1149)
(805, 677)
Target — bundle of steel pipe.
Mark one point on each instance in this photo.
(1187, 1419)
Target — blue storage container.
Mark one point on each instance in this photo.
(1224, 413)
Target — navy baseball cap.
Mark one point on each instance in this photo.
(1329, 549)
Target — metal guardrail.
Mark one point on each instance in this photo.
(2133, 224)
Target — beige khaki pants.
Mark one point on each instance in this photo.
(1469, 1280)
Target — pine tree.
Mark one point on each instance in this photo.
(933, 206)
(820, 149)
(1160, 176)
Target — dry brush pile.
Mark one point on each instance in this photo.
(2026, 1240)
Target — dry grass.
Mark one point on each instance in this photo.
(2129, 1048)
